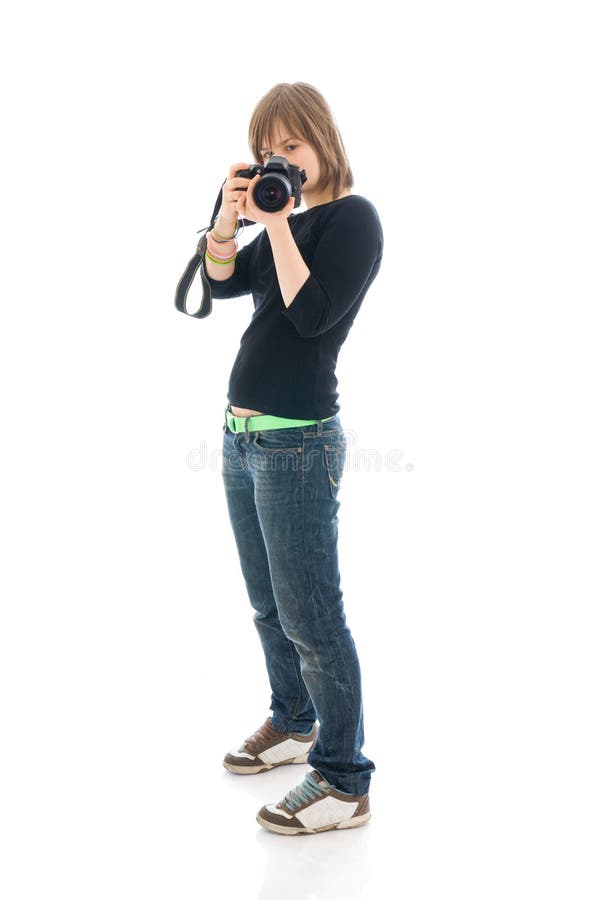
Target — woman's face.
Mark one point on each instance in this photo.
(297, 152)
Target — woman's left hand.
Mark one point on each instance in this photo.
(249, 210)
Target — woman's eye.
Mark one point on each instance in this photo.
(289, 147)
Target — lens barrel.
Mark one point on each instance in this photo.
(272, 192)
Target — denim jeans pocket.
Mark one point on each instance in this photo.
(279, 439)
(335, 458)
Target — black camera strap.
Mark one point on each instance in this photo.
(197, 262)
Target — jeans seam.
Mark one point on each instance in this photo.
(298, 678)
(303, 527)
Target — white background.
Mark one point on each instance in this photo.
(129, 660)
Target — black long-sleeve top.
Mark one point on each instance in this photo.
(286, 362)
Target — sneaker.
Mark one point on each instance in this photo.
(315, 805)
(268, 748)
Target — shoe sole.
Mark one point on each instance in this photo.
(347, 823)
(264, 767)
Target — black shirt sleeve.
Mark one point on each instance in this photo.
(346, 258)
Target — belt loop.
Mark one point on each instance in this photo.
(246, 429)
(320, 427)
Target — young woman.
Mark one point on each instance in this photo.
(284, 452)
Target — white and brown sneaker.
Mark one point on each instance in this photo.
(268, 748)
(314, 806)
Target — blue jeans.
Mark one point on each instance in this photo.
(281, 487)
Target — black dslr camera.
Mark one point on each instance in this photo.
(279, 181)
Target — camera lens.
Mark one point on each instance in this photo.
(272, 192)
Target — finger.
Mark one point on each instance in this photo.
(240, 182)
(236, 167)
(289, 207)
(250, 190)
(234, 196)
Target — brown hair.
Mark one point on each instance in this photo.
(300, 108)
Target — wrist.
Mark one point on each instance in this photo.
(220, 251)
(278, 225)
(225, 229)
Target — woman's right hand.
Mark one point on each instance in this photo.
(233, 189)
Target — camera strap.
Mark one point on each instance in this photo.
(197, 262)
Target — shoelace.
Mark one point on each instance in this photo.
(307, 790)
(253, 741)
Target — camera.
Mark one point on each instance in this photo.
(279, 180)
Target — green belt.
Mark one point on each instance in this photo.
(263, 423)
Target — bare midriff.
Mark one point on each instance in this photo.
(240, 411)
